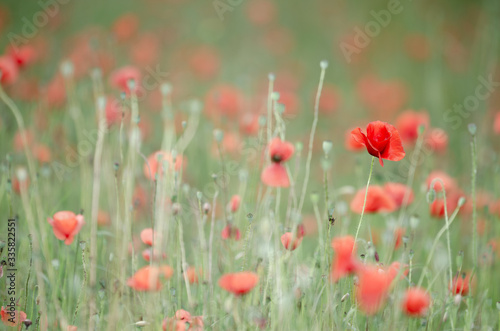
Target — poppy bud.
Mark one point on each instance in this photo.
(206, 207)
(472, 128)
(431, 195)
(27, 323)
(323, 64)
(327, 146)
(218, 135)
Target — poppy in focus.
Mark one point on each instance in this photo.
(381, 140)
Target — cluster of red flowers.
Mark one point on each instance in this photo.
(182, 321)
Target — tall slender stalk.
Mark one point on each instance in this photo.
(364, 202)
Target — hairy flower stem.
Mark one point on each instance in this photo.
(364, 202)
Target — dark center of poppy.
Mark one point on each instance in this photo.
(276, 158)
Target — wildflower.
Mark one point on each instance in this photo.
(344, 261)
(234, 204)
(8, 69)
(121, 77)
(381, 140)
(148, 252)
(6, 316)
(398, 236)
(286, 240)
(155, 164)
(437, 140)
(460, 284)
(231, 231)
(408, 124)
(372, 289)
(239, 283)
(22, 55)
(125, 27)
(377, 200)
(449, 183)
(416, 302)
(147, 236)
(224, 100)
(148, 278)
(275, 174)
(398, 192)
(192, 274)
(66, 225)
(352, 144)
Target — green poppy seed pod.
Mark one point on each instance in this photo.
(275, 96)
(299, 146)
(472, 128)
(123, 96)
(199, 195)
(421, 129)
(314, 197)
(243, 175)
(414, 222)
(431, 195)
(459, 259)
(131, 84)
(218, 135)
(461, 201)
(327, 146)
(116, 166)
(83, 244)
(262, 120)
(184, 124)
(271, 76)
(67, 69)
(280, 108)
(323, 64)
(166, 88)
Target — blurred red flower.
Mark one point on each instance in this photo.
(408, 124)
(19, 316)
(231, 231)
(286, 241)
(148, 278)
(372, 289)
(460, 284)
(398, 192)
(381, 140)
(344, 262)
(275, 174)
(416, 302)
(239, 283)
(8, 69)
(121, 77)
(377, 200)
(66, 225)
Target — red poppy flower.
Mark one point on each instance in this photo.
(12, 318)
(239, 283)
(286, 241)
(66, 225)
(231, 231)
(460, 284)
(41, 153)
(147, 236)
(398, 237)
(437, 207)
(344, 261)
(372, 290)
(224, 100)
(408, 124)
(125, 27)
(381, 140)
(416, 302)
(275, 175)
(192, 274)
(437, 140)
(155, 162)
(397, 192)
(449, 183)
(205, 62)
(113, 111)
(377, 200)
(234, 204)
(148, 278)
(120, 78)
(23, 55)
(394, 269)
(352, 144)
(9, 70)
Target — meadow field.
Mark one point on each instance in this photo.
(249, 165)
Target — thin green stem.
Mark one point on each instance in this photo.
(364, 202)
